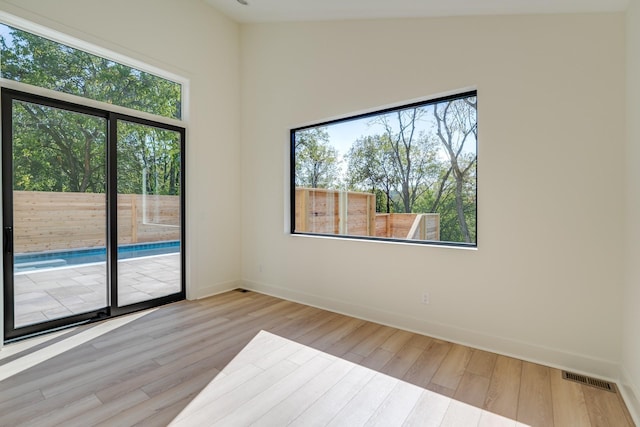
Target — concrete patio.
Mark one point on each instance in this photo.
(58, 292)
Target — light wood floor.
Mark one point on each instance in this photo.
(166, 366)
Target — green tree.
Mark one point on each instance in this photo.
(317, 163)
(401, 162)
(413, 155)
(148, 160)
(370, 168)
(57, 150)
(456, 130)
(35, 60)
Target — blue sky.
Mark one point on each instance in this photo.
(344, 134)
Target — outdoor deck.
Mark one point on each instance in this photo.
(58, 292)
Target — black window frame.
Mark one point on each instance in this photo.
(112, 309)
(371, 114)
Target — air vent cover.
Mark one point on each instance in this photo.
(593, 382)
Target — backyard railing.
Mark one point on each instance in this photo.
(49, 221)
(408, 226)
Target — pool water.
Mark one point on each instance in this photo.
(50, 259)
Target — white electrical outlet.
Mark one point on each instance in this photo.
(425, 298)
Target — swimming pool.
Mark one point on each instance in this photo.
(50, 259)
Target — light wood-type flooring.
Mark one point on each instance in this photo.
(245, 358)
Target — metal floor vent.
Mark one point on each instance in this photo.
(593, 382)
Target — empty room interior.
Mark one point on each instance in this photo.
(217, 302)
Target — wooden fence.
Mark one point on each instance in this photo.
(425, 227)
(52, 221)
(321, 211)
(408, 226)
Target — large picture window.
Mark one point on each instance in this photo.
(402, 174)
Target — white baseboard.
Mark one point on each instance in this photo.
(537, 354)
(631, 395)
(213, 289)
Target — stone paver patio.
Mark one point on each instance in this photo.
(63, 291)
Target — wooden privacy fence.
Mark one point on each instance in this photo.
(324, 211)
(44, 221)
(319, 211)
(408, 226)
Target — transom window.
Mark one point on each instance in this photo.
(402, 174)
(38, 61)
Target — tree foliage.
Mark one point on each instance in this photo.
(371, 168)
(456, 125)
(148, 160)
(59, 150)
(29, 58)
(317, 163)
(412, 155)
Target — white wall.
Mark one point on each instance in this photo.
(545, 281)
(631, 331)
(191, 39)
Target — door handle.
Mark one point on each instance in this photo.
(8, 239)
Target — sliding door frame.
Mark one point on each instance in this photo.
(11, 333)
(112, 224)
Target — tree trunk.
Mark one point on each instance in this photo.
(443, 182)
(406, 197)
(172, 178)
(460, 210)
(86, 173)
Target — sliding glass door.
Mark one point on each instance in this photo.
(55, 214)
(149, 212)
(92, 213)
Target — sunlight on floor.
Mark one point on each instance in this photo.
(23, 363)
(275, 381)
(18, 347)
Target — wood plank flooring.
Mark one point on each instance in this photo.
(309, 367)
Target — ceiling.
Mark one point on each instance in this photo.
(324, 10)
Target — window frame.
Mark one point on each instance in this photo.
(370, 114)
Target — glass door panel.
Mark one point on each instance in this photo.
(148, 212)
(58, 213)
